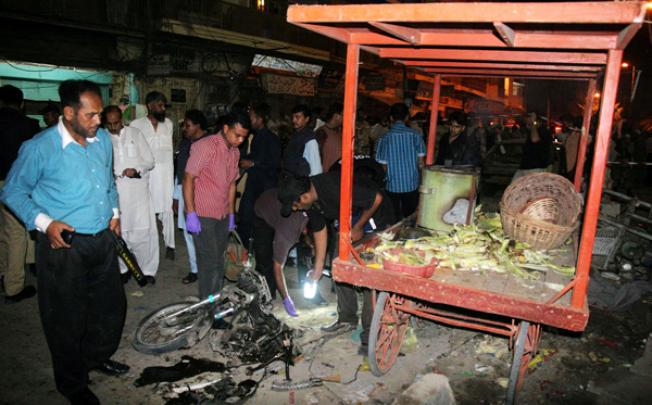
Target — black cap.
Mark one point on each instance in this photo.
(290, 189)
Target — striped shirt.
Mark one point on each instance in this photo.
(400, 149)
(215, 166)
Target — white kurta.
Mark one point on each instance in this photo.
(137, 218)
(161, 182)
(162, 177)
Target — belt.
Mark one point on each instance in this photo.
(90, 235)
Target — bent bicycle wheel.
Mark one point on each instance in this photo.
(388, 327)
(159, 332)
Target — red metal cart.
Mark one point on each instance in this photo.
(552, 41)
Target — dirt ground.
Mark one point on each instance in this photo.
(589, 368)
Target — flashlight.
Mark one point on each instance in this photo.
(309, 287)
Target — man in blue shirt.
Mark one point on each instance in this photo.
(401, 152)
(62, 181)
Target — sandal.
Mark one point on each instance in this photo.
(190, 278)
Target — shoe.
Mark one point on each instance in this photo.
(169, 253)
(112, 368)
(363, 350)
(84, 397)
(125, 277)
(289, 307)
(150, 280)
(220, 324)
(190, 278)
(339, 327)
(28, 292)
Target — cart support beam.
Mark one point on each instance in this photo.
(592, 206)
(348, 128)
(434, 115)
(584, 137)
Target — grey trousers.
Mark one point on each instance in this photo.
(210, 245)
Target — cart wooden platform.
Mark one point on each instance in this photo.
(580, 41)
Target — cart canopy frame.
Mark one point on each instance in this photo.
(562, 41)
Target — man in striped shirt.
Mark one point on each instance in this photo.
(209, 195)
(401, 152)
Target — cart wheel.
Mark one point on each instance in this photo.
(386, 334)
(525, 347)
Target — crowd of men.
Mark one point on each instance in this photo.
(90, 174)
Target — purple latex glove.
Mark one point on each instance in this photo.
(192, 223)
(289, 306)
(231, 222)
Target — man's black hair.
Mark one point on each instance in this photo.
(155, 96)
(109, 109)
(238, 117)
(11, 95)
(198, 118)
(71, 90)
(458, 116)
(399, 112)
(302, 108)
(335, 108)
(261, 109)
(290, 188)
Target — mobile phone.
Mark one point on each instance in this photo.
(67, 236)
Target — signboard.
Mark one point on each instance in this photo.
(296, 86)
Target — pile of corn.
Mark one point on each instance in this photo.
(478, 247)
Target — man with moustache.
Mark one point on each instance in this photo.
(62, 181)
(158, 133)
(209, 185)
(132, 162)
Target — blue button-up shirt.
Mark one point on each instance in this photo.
(400, 149)
(56, 178)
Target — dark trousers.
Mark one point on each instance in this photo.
(347, 307)
(405, 204)
(347, 303)
(82, 304)
(210, 245)
(264, 252)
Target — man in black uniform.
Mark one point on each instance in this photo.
(320, 195)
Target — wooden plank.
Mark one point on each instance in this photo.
(499, 65)
(580, 58)
(445, 290)
(559, 13)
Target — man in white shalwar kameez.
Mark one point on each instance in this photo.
(158, 132)
(132, 163)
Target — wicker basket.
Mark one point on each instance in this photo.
(541, 209)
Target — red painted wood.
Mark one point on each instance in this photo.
(434, 115)
(498, 65)
(566, 12)
(600, 156)
(348, 128)
(583, 58)
(510, 72)
(584, 140)
(433, 291)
